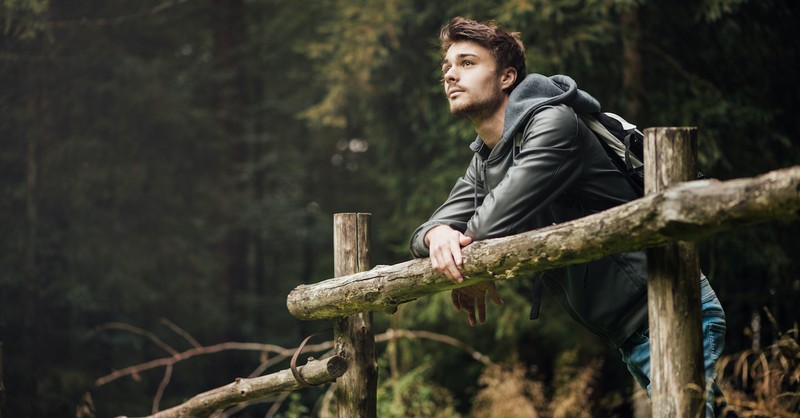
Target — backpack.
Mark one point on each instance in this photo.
(623, 143)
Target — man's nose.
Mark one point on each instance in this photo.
(451, 74)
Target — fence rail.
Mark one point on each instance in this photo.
(687, 211)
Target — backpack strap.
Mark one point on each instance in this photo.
(619, 147)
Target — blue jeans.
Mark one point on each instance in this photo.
(636, 350)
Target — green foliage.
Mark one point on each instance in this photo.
(296, 409)
(24, 19)
(184, 159)
(413, 394)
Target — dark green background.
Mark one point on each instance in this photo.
(183, 160)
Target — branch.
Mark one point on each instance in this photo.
(180, 331)
(264, 386)
(428, 335)
(162, 387)
(283, 353)
(315, 372)
(688, 211)
(136, 330)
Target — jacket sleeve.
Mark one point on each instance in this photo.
(455, 211)
(548, 162)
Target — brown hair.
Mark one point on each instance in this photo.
(506, 47)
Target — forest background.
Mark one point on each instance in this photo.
(179, 162)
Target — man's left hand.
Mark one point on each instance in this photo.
(472, 300)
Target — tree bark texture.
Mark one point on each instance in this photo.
(356, 391)
(687, 211)
(673, 290)
(315, 372)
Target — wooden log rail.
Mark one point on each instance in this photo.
(687, 211)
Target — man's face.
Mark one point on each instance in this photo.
(471, 80)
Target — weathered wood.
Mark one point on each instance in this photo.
(687, 211)
(673, 290)
(356, 391)
(203, 405)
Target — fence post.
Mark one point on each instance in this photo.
(357, 389)
(676, 348)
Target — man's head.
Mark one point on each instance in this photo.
(481, 64)
(506, 47)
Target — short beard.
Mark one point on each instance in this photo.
(480, 110)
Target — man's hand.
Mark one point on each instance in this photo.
(445, 245)
(472, 299)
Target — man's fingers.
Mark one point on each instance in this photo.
(455, 297)
(438, 263)
(471, 316)
(472, 301)
(468, 306)
(464, 240)
(454, 262)
(481, 302)
(455, 250)
(473, 291)
(495, 296)
(450, 270)
(455, 274)
(443, 262)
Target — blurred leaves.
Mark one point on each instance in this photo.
(184, 159)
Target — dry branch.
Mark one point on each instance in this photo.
(242, 390)
(282, 354)
(433, 336)
(688, 211)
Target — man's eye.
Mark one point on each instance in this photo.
(467, 63)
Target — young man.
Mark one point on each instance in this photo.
(537, 164)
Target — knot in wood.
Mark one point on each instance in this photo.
(244, 389)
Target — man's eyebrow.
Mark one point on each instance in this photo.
(459, 56)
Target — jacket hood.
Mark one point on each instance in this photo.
(536, 91)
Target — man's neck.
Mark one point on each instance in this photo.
(490, 129)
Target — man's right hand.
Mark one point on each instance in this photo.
(444, 244)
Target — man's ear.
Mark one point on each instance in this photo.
(508, 77)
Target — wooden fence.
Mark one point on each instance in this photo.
(673, 213)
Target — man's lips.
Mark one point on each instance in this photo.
(453, 91)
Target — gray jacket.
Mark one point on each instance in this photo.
(549, 168)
